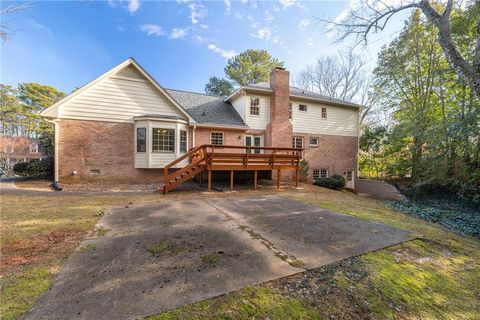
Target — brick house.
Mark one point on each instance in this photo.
(125, 126)
(19, 149)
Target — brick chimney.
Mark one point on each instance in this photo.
(279, 130)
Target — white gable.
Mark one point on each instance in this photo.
(117, 96)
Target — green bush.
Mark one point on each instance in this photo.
(42, 169)
(336, 182)
(20, 168)
(467, 190)
(303, 170)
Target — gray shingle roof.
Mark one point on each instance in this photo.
(307, 94)
(207, 109)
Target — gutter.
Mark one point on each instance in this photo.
(223, 126)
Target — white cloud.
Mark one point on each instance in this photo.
(263, 33)
(130, 5)
(178, 33)
(120, 28)
(310, 42)
(287, 3)
(197, 12)
(133, 6)
(268, 17)
(277, 40)
(304, 23)
(228, 5)
(224, 53)
(152, 29)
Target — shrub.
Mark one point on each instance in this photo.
(303, 170)
(20, 168)
(42, 169)
(336, 182)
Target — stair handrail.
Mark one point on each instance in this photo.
(189, 154)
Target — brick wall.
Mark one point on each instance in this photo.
(104, 146)
(279, 130)
(337, 154)
(230, 137)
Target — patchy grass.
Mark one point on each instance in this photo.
(88, 248)
(36, 234)
(209, 258)
(297, 264)
(164, 248)
(21, 287)
(33, 184)
(102, 232)
(435, 277)
(248, 303)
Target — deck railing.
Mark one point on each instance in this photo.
(236, 158)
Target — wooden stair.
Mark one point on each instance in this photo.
(196, 157)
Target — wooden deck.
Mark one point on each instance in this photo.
(232, 158)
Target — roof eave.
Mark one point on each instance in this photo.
(337, 103)
(223, 126)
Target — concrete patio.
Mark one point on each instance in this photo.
(159, 256)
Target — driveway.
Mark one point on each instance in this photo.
(160, 256)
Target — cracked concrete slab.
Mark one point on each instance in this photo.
(307, 233)
(159, 256)
(201, 254)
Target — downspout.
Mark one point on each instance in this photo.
(193, 136)
(56, 184)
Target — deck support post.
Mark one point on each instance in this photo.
(201, 178)
(255, 180)
(296, 178)
(231, 180)
(209, 180)
(279, 172)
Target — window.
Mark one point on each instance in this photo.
(302, 107)
(34, 148)
(163, 140)
(323, 173)
(349, 175)
(255, 106)
(324, 113)
(316, 174)
(314, 141)
(216, 138)
(298, 142)
(141, 139)
(183, 141)
(290, 111)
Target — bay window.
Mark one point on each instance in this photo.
(163, 140)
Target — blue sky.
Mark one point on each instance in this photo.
(180, 43)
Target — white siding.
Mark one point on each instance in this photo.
(239, 105)
(340, 121)
(258, 122)
(151, 159)
(118, 100)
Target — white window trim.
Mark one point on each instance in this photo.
(326, 113)
(223, 138)
(250, 107)
(303, 142)
(174, 140)
(146, 139)
(326, 173)
(314, 145)
(302, 104)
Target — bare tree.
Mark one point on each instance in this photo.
(371, 16)
(344, 76)
(5, 29)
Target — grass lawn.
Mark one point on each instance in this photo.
(432, 278)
